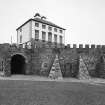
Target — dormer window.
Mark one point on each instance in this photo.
(43, 17)
(37, 15)
(36, 24)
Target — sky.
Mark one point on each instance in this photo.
(84, 20)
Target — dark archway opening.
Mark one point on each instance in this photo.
(17, 64)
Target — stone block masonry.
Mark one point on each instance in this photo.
(55, 72)
(83, 72)
(38, 60)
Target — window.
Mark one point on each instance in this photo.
(60, 39)
(43, 35)
(20, 38)
(60, 31)
(50, 28)
(36, 34)
(36, 24)
(43, 26)
(55, 38)
(55, 29)
(20, 29)
(50, 37)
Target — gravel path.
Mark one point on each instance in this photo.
(40, 78)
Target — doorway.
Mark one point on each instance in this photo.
(18, 64)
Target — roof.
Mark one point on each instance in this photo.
(41, 21)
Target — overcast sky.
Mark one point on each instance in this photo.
(84, 20)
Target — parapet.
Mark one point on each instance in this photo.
(86, 46)
(99, 46)
(80, 45)
(68, 46)
(92, 46)
(103, 46)
(74, 46)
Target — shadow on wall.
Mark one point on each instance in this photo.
(71, 70)
(69, 62)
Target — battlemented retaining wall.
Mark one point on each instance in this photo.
(39, 59)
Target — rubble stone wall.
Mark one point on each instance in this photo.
(39, 60)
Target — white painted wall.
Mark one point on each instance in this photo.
(26, 33)
(46, 30)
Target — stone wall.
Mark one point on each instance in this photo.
(47, 57)
(69, 62)
(4, 57)
(36, 43)
(39, 59)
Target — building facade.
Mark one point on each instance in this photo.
(39, 28)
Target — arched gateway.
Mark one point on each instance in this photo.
(18, 64)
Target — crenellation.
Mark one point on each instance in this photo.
(87, 46)
(68, 46)
(37, 50)
(92, 46)
(103, 46)
(43, 55)
(74, 46)
(80, 45)
(98, 46)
